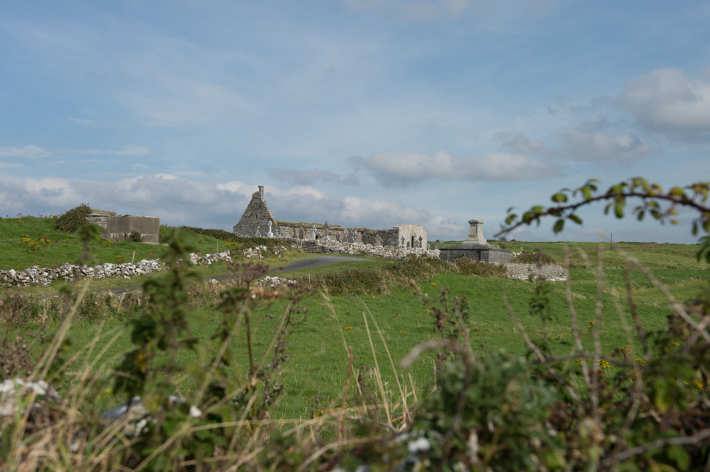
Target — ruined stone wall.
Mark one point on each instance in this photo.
(255, 220)
(304, 231)
(256, 217)
(412, 236)
(100, 217)
(380, 237)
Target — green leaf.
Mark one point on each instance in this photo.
(680, 456)
(559, 198)
(575, 218)
(640, 215)
(559, 226)
(619, 211)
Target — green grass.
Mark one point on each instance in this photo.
(48, 247)
(318, 363)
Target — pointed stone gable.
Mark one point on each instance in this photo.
(256, 217)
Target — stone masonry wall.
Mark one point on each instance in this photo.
(254, 221)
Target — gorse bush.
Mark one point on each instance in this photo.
(71, 220)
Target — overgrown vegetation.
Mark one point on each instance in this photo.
(537, 257)
(241, 242)
(71, 220)
(578, 405)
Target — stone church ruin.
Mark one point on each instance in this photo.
(257, 220)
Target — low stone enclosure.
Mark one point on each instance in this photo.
(119, 228)
(475, 247)
(257, 220)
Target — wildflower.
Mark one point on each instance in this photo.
(433, 284)
(215, 345)
(402, 331)
(673, 343)
(639, 360)
(373, 296)
(603, 364)
(348, 328)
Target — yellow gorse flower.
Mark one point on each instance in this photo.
(347, 328)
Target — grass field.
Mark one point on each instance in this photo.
(29, 241)
(316, 370)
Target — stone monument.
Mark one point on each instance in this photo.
(475, 235)
(475, 247)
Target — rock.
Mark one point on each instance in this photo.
(9, 390)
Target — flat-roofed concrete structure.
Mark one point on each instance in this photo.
(119, 228)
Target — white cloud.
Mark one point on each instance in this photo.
(668, 102)
(600, 147)
(310, 177)
(519, 143)
(181, 201)
(402, 168)
(28, 152)
(126, 151)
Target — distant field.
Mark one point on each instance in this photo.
(318, 364)
(29, 241)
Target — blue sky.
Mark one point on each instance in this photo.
(359, 112)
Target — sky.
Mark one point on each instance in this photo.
(367, 113)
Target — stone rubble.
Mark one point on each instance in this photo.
(553, 273)
(383, 252)
(276, 281)
(9, 390)
(45, 276)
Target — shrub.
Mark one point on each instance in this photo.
(467, 266)
(71, 220)
(135, 236)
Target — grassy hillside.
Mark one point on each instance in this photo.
(29, 241)
(318, 364)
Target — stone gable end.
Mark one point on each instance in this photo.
(254, 221)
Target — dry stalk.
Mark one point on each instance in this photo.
(377, 373)
(394, 370)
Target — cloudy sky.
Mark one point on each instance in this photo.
(360, 112)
